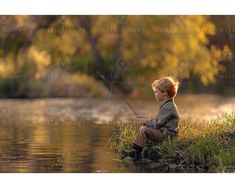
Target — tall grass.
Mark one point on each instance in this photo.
(209, 145)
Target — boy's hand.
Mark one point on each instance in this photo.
(142, 120)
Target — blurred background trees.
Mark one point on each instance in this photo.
(59, 56)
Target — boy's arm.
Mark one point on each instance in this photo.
(150, 123)
(163, 117)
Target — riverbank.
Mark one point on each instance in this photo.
(207, 146)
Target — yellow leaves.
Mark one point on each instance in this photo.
(177, 46)
(171, 62)
(193, 43)
(106, 46)
(6, 68)
(216, 53)
(40, 58)
(209, 68)
(174, 45)
(149, 62)
(208, 28)
(20, 20)
(81, 44)
(197, 58)
(168, 45)
(227, 53)
(169, 66)
(183, 49)
(65, 44)
(224, 54)
(2, 68)
(204, 80)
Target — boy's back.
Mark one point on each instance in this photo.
(167, 118)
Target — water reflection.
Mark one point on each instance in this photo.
(56, 135)
(58, 148)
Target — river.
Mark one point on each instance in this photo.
(71, 135)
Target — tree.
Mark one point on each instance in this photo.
(142, 47)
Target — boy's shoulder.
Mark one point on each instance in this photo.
(169, 106)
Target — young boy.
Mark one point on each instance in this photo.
(166, 123)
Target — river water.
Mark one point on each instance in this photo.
(71, 135)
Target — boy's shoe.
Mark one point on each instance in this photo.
(131, 153)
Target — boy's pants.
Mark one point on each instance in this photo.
(146, 133)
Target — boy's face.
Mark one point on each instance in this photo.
(160, 95)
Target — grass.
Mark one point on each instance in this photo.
(208, 145)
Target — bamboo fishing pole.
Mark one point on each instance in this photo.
(120, 95)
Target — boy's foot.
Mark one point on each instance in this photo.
(131, 153)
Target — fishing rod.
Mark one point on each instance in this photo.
(120, 95)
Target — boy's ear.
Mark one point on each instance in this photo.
(165, 93)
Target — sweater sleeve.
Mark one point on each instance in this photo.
(163, 116)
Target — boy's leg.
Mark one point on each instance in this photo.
(155, 134)
(146, 133)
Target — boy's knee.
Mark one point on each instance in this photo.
(142, 130)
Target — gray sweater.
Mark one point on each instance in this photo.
(167, 118)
